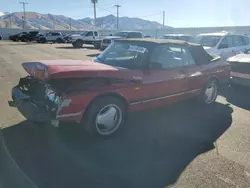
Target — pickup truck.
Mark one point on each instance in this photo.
(86, 37)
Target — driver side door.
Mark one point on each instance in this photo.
(165, 82)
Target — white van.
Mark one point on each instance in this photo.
(223, 44)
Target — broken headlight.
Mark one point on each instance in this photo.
(52, 96)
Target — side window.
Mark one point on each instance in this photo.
(89, 34)
(227, 42)
(165, 56)
(238, 40)
(55, 34)
(246, 40)
(95, 33)
(134, 35)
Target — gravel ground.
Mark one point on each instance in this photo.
(177, 146)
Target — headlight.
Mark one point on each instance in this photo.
(52, 96)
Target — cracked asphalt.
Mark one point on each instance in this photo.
(180, 145)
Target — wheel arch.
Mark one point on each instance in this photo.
(107, 94)
(213, 77)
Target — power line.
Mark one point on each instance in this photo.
(106, 10)
(150, 15)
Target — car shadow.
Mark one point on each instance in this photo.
(20, 43)
(93, 55)
(237, 95)
(73, 48)
(151, 151)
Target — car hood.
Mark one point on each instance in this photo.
(241, 58)
(112, 37)
(57, 69)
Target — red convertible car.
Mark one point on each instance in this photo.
(131, 74)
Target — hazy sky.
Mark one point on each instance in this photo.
(179, 13)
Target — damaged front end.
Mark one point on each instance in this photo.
(36, 100)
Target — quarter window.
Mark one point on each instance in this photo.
(246, 40)
(166, 56)
(238, 40)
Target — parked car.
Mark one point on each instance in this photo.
(86, 37)
(184, 37)
(67, 38)
(132, 74)
(51, 37)
(30, 36)
(1, 37)
(106, 41)
(17, 37)
(223, 44)
(240, 65)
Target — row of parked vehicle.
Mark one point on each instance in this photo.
(39, 37)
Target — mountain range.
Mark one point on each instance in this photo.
(36, 20)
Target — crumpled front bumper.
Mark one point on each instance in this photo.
(28, 108)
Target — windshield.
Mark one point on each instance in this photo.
(168, 37)
(121, 34)
(125, 55)
(84, 33)
(207, 40)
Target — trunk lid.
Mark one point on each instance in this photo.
(59, 69)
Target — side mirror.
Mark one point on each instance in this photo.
(155, 65)
(221, 46)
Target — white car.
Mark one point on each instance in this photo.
(51, 37)
(223, 44)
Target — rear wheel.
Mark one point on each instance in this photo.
(105, 116)
(43, 40)
(59, 40)
(209, 92)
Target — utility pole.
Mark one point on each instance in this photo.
(24, 13)
(163, 20)
(94, 2)
(70, 24)
(9, 21)
(117, 15)
(54, 25)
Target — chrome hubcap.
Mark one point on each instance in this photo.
(210, 93)
(108, 119)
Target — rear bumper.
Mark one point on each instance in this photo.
(240, 81)
(29, 109)
(11, 175)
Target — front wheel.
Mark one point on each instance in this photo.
(105, 116)
(209, 92)
(77, 44)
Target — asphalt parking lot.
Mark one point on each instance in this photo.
(177, 146)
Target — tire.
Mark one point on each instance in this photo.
(59, 40)
(97, 46)
(43, 40)
(209, 92)
(78, 44)
(100, 111)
